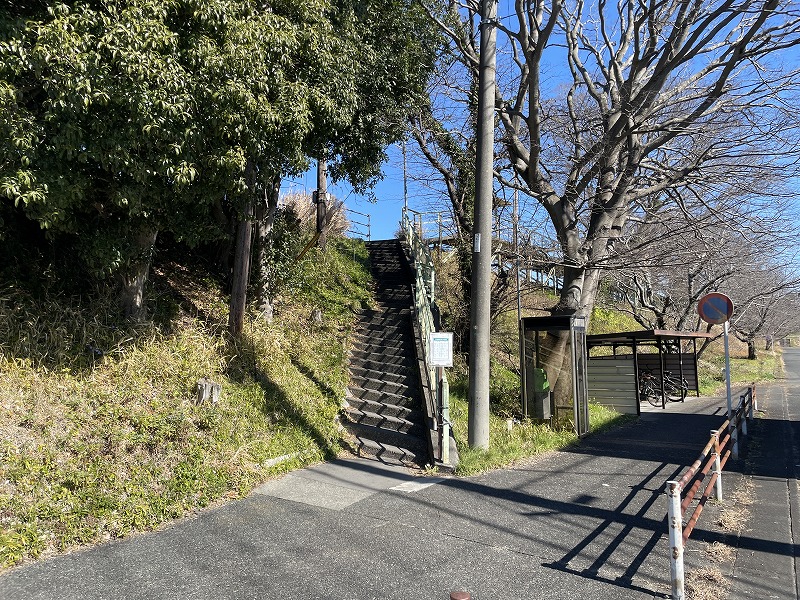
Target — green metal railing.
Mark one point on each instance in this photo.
(425, 313)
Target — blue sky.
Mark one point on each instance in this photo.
(386, 212)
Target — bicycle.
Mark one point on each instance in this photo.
(675, 389)
(649, 388)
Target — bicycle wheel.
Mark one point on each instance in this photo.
(650, 393)
(676, 391)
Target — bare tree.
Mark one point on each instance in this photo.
(604, 108)
(611, 113)
(736, 248)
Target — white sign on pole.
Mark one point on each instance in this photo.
(441, 349)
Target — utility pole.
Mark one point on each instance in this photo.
(321, 199)
(405, 179)
(479, 348)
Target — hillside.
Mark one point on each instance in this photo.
(100, 431)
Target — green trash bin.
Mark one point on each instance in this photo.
(541, 395)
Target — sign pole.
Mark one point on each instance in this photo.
(728, 372)
(444, 407)
(440, 356)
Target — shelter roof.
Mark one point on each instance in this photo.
(629, 338)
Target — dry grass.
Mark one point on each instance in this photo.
(719, 553)
(736, 511)
(306, 211)
(706, 583)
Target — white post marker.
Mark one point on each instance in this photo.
(675, 519)
(727, 368)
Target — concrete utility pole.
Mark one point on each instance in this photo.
(479, 348)
(321, 199)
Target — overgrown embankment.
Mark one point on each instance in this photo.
(100, 431)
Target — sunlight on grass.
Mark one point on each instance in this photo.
(100, 434)
(511, 439)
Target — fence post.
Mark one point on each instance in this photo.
(743, 417)
(734, 429)
(675, 519)
(752, 392)
(717, 466)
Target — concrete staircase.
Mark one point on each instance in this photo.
(383, 407)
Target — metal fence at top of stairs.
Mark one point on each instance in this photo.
(426, 315)
(359, 224)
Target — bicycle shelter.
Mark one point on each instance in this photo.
(554, 371)
(616, 362)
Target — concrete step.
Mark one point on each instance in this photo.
(382, 361)
(409, 450)
(373, 314)
(380, 408)
(394, 301)
(391, 316)
(375, 364)
(397, 337)
(383, 422)
(382, 397)
(409, 388)
(388, 352)
(405, 377)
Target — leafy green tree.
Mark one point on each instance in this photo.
(123, 119)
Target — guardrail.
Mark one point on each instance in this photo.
(712, 459)
(426, 315)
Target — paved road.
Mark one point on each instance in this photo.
(588, 523)
(767, 566)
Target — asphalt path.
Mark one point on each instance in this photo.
(768, 566)
(585, 523)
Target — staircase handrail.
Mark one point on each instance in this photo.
(427, 314)
(424, 289)
(420, 253)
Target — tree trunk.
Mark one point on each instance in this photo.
(241, 271)
(135, 276)
(265, 219)
(464, 254)
(751, 349)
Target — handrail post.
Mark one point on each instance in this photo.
(675, 519)
(751, 393)
(717, 466)
(734, 430)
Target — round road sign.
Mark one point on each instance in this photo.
(715, 308)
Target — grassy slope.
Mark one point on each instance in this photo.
(100, 435)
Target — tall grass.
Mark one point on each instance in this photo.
(100, 434)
